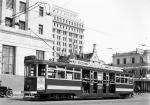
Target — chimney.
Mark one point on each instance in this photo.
(94, 48)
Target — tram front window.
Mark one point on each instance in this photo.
(30, 70)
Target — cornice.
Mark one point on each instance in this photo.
(23, 33)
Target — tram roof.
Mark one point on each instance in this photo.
(68, 65)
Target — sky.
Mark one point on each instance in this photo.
(121, 25)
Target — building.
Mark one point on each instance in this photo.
(138, 63)
(25, 29)
(67, 32)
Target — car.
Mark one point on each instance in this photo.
(5, 91)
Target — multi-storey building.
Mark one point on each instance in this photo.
(25, 29)
(34, 27)
(67, 32)
(138, 63)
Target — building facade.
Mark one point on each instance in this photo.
(138, 63)
(67, 32)
(25, 29)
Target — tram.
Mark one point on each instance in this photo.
(74, 79)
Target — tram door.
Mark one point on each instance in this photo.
(109, 83)
(112, 85)
(41, 69)
(86, 81)
(95, 82)
(105, 82)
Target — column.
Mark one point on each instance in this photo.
(0, 58)
(2, 11)
(27, 15)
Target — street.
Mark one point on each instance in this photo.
(137, 100)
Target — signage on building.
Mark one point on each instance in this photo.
(94, 64)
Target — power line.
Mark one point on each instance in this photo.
(43, 40)
(98, 31)
(22, 12)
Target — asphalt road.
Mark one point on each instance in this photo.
(137, 100)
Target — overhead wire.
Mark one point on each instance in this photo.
(43, 40)
(22, 12)
(40, 3)
(27, 10)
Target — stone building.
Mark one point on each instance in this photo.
(34, 27)
(22, 31)
(138, 63)
(67, 32)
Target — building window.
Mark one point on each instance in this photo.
(70, 45)
(58, 31)
(133, 60)
(22, 6)
(9, 4)
(124, 61)
(58, 37)
(70, 51)
(80, 42)
(53, 35)
(41, 11)
(53, 29)
(40, 29)
(64, 32)
(58, 48)
(40, 54)
(22, 25)
(118, 61)
(141, 60)
(8, 60)
(8, 22)
(70, 40)
(81, 37)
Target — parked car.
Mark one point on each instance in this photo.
(5, 91)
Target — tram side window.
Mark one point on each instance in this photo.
(51, 73)
(100, 76)
(118, 79)
(95, 75)
(122, 80)
(61, 74)
(126, 80)
(112, 77)
(131, 81)
(69, 75)
(77, 76)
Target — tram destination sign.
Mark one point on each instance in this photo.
(94, 64)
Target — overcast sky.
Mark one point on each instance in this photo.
(118, 24)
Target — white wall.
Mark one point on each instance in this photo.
(25, 45)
